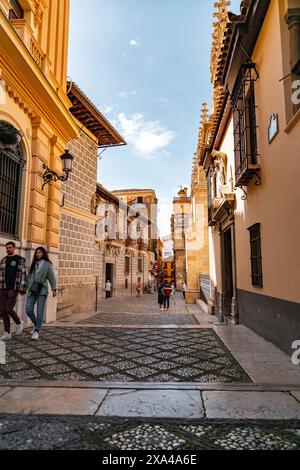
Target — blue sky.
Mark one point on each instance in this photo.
(145, 65)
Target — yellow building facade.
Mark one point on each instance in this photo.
(33, 99)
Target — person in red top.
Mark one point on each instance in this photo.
(167, 295)
(138, 289)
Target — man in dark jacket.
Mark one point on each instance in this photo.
(13, 281)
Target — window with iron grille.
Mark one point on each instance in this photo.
(16, 12)
(11, 164)
(245, 127)
(256, 261)
(127, 265)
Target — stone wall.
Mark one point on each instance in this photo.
(77, 280)
(76, 262)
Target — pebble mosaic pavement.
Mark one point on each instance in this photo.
(92, 433)
(122, 355)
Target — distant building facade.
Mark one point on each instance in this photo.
(179, 224)
(197, 245)
(80, 273)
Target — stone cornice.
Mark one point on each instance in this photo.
(17, 96)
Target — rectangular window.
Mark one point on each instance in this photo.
(126, 283)
(16, 12)
(256, 261)
(140, 265)
(127, 265)
(245, 127)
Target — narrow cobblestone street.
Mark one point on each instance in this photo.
(131, 377)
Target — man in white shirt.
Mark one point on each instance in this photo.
(108, 288)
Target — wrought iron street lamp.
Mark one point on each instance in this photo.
(49, 175)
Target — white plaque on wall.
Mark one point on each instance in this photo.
(273, 128)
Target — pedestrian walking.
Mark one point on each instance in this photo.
(108, 289)
(167, 294)
(138, 288)
(183, 290)
(160, 291)
(13, 281)
(41, 272)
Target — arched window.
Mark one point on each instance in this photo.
(11, 165)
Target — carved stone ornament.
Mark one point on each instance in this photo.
(111, 250)
(220, 166)
(16, 96)
(38, 7)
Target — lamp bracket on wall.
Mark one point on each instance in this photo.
(245, 195)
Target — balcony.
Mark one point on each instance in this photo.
(26, 34)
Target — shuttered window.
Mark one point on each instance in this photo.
(256, 260)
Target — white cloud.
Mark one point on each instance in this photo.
(134, 42)
(107, 108)
(163, 100)
(147, 137)
(125, 94)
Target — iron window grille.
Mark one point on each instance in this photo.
(245, 126)
(11, 165)
(256, 259)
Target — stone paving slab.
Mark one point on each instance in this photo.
(25, 432)
(4, 390)
(250, 405)
(151, 385)
(152, 403)
(272, 372)
(263, 361)
(52, 400)
(296, 395)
